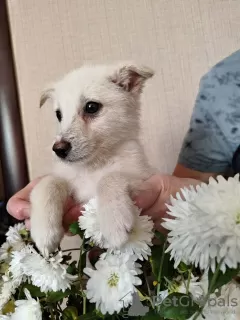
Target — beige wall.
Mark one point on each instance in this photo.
(180, 39)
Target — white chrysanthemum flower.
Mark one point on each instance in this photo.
(206, 225)
(13, 236)
(140, 238)
(14, 276)
(198, 289)
(5, 317)
(112, 283)
(223, 306)
(16, 267)
(8, 288)
(89, 222)
(29, 309)
(47, 274)
(5, 251)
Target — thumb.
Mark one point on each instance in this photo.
(148, 195)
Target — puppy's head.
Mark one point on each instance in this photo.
(97, 108)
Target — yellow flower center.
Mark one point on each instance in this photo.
(9, 250)
(91, 243)
(113, 280)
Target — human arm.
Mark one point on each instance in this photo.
(211, 141)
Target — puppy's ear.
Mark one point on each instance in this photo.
(131, 77)
(46, 94)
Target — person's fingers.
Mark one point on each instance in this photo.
(71, 216)
(19, 209)
(68, 218)
(145, 199)
(158, 208)
(27, 224)
(18, 205)
(70, 203)
(149, 193)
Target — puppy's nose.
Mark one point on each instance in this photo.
(62, 148)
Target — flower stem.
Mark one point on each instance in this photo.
(189, 279)
(148, 288)
(72, 249)
(84, 305)
(212, 283)
(52, 315)
(160, 268)
(80, 257)
(149, 291)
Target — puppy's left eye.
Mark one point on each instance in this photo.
(92, 107)
(59, 115)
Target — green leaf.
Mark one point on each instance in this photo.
(183, 268)
(99, 314)
(168, 266)
(162, 237)
(88, 316)
(57, 296)
(72, 268)
(152, 315)
(178, 306)
(222, 278)
(70, 313)
(75, 229)
(34, 291)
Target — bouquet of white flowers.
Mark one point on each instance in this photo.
(190, 274)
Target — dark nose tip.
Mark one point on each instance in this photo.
(62, 148)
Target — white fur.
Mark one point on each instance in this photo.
(106, 160)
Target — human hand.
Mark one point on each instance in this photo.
(19, 206)
(155, 194)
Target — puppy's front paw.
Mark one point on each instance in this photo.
(47, 201)
(116, 220)
(45, 234)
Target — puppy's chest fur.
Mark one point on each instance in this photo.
(84, 181)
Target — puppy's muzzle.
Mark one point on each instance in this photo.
(62, 148)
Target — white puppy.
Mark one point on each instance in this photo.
(99, 151)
